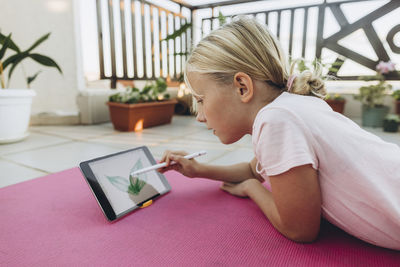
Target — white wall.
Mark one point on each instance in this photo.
(28, 20)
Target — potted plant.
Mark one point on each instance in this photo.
(15, 104)
(336, 102)
(391, 123)
(136, 109)
(396, 96)
(371, 96)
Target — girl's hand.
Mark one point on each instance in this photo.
(238, 189)
(188, 167)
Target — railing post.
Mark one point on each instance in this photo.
(134, 49)
(320, 30)
(303, 48)
(143, 39)
(100, 38)
(123, 38)
(112, 44)
(152, 43)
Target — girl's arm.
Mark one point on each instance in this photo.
(233, 173)
(293, 206)
(191, 168)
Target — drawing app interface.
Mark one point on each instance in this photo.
(123, 190)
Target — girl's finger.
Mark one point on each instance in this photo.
(165, 156)
(225, 188)
(180, 153)
(165, 169)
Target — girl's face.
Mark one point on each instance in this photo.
(217, 107)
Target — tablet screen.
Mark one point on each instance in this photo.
(123, 192)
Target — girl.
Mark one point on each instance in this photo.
(315, 162)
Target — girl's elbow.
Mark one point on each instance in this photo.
(303, 236)
(302, 232)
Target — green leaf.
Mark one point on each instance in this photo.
(178, 32)
(32, 78)
(146, 89)
(161, 85)
(14, 58)
(136, 185)
(119, 182)
(5, 44)
(139, 165)
(115, 98)
(221, 18)
(396, 95)
(15, 63)
(38, 42)
(11, 45)
(149, 93)
(44, 60)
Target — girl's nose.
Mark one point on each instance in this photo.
(200, 117)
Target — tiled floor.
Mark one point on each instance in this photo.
(50, 149)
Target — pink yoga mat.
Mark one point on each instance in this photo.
(55, 221)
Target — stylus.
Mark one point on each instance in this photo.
(161, 165)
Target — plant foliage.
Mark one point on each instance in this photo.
(221, 18)
(155, 91)
(331, 68)
(392, 117)
(18, 56)
(373, 95)
(178, 32)
(336, 97)
(132, 185)
(396, 95)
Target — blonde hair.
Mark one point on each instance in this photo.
(244, 45)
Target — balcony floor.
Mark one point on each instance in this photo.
(50, 149)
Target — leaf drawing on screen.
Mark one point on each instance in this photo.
(131, 185)
(136, 185)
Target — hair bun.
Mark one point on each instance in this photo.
(309, 83)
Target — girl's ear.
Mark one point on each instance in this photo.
(244, 86)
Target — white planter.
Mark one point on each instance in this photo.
(15, 112)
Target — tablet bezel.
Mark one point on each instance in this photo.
(99, 194)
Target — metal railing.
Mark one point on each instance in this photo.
(139, 32)
(131, 36)
(330, 42)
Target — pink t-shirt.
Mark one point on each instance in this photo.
(359, 173)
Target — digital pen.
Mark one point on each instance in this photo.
(161, 165)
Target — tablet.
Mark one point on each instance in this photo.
(118, 193)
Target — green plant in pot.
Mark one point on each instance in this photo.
(335, 101)
(155, 91)
(396, 96)
(372, 96)
(391, 123)
(136, 109)
(17, 101)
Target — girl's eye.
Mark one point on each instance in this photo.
(199, 100)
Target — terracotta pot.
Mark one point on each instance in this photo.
(336, 105)
(135, 117)
(397, 106)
